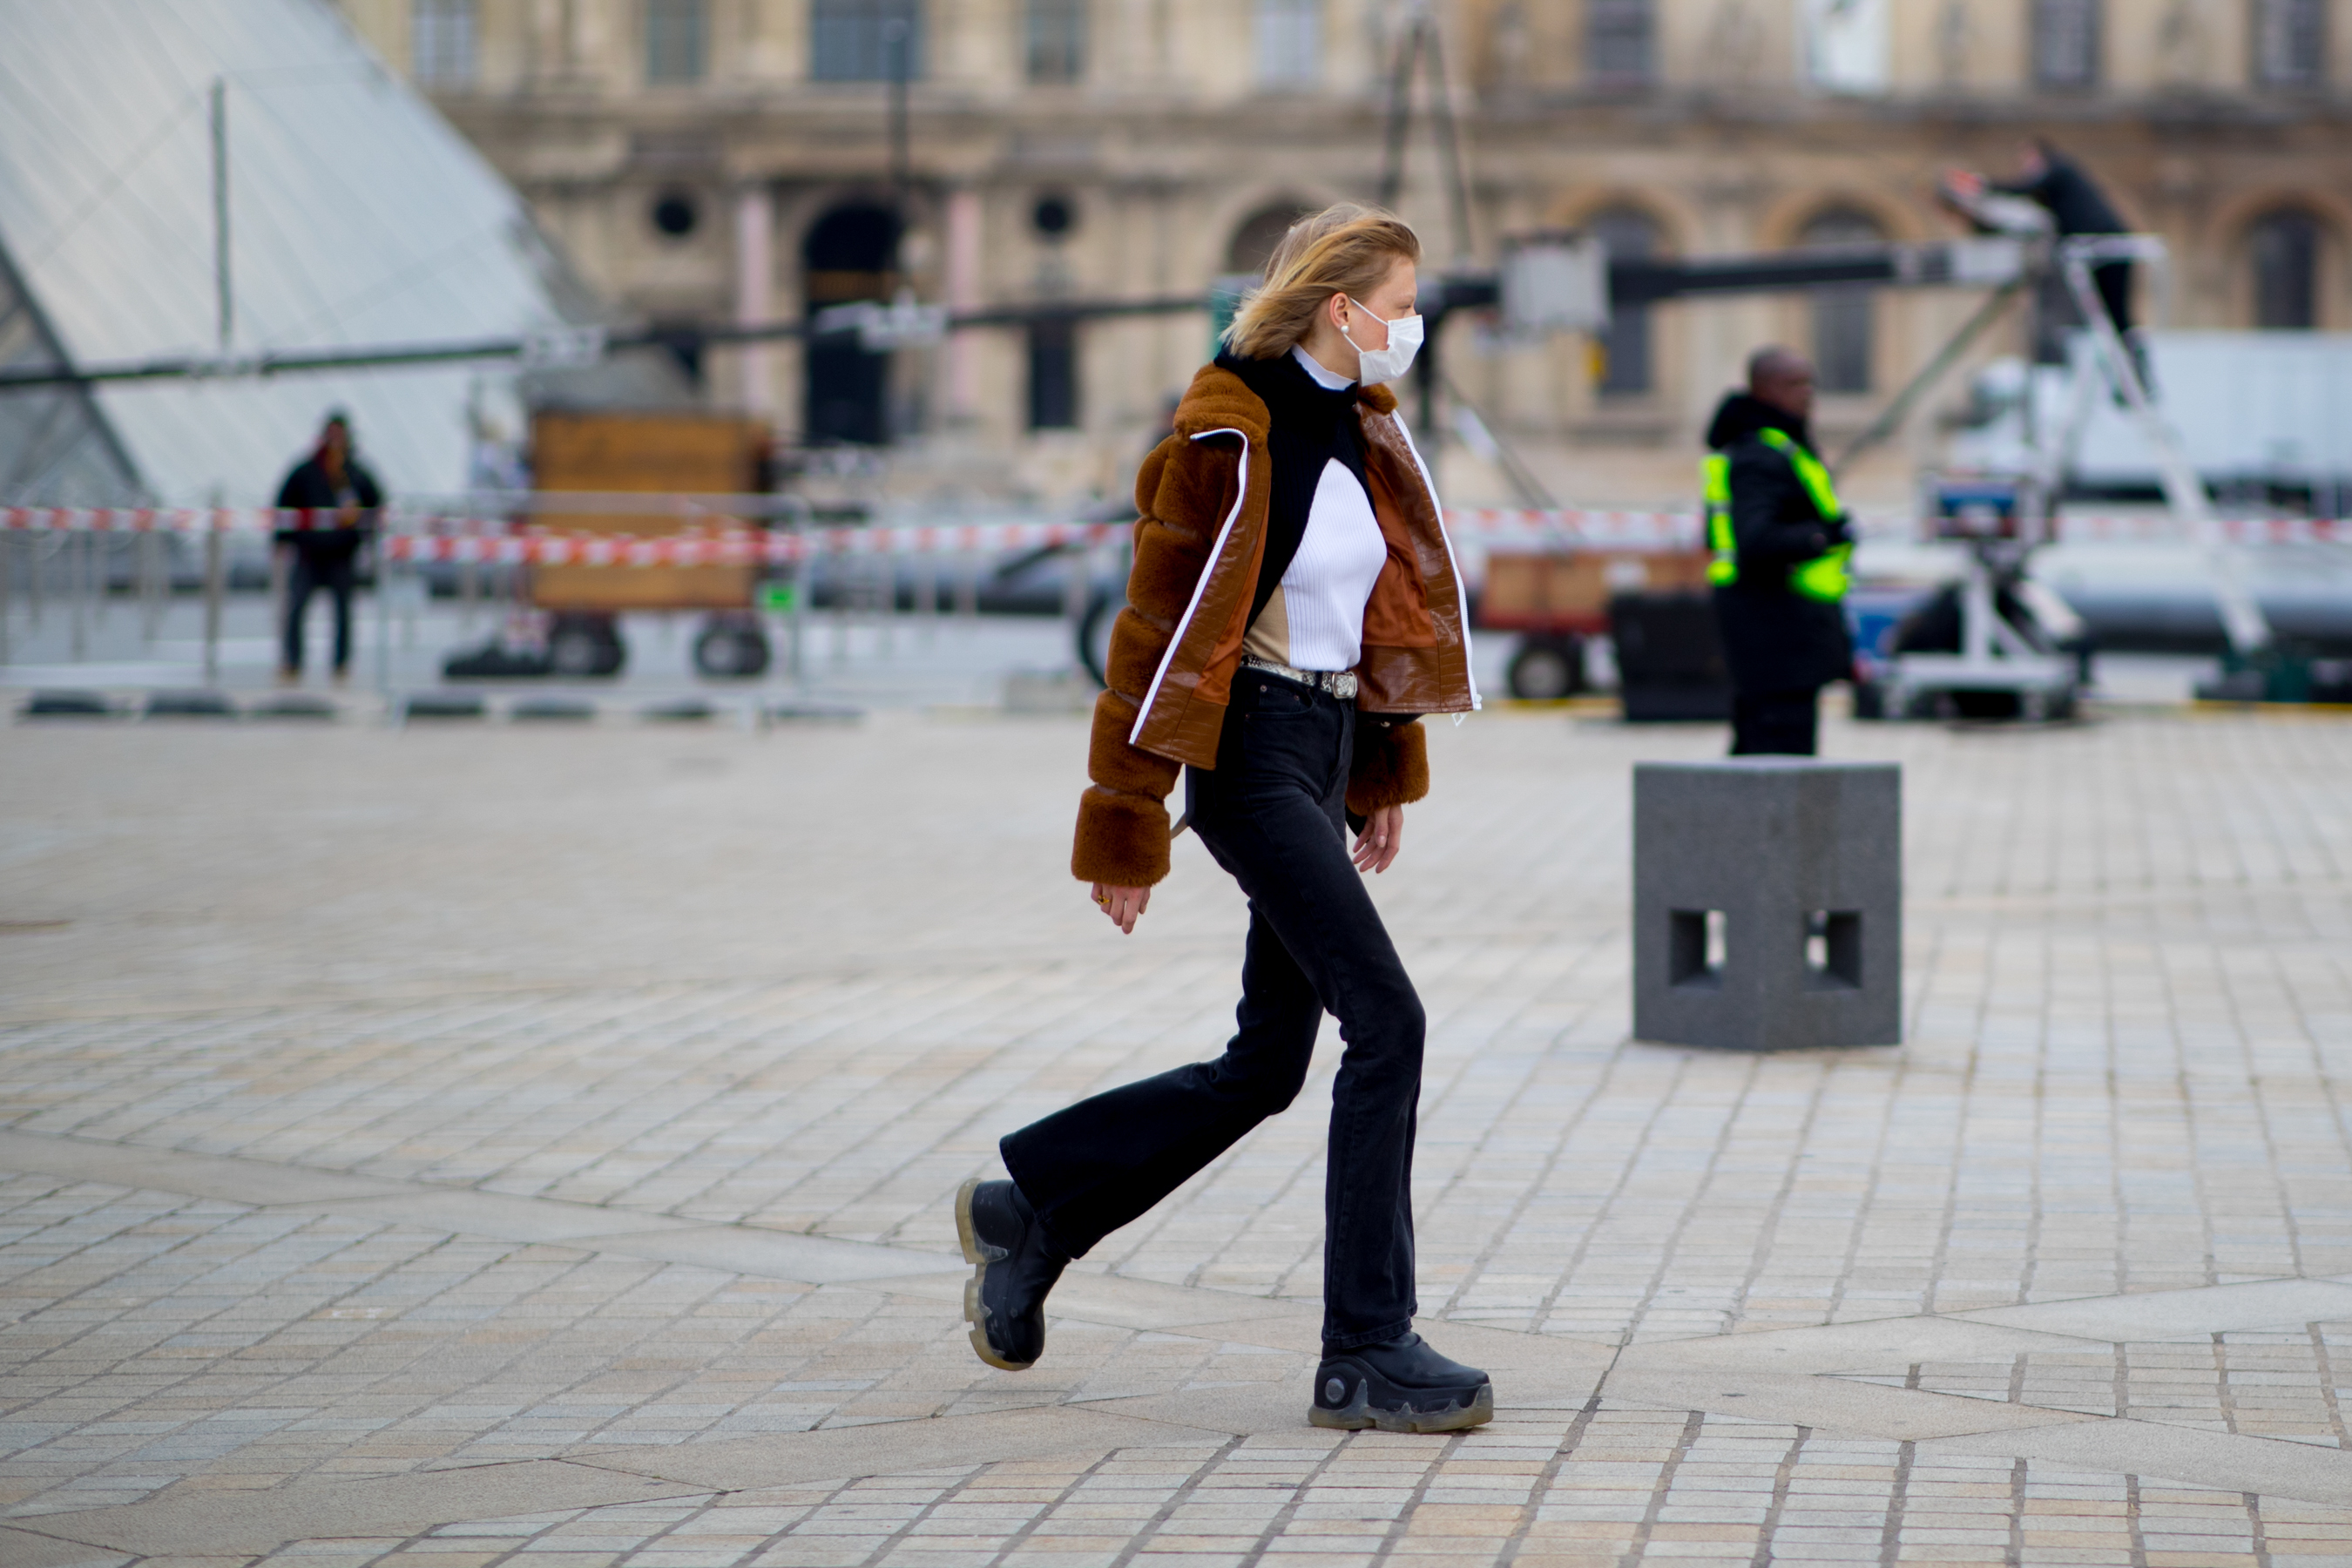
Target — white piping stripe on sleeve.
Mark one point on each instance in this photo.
(1461, 604)
(1217, 553)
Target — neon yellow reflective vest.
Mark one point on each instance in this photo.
(1824, 576)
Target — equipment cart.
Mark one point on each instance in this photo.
(1558, 599)
(678, 454)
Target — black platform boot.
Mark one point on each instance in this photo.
(1013, 1266)
(1400, 1386)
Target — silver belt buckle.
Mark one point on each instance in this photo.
(1337, 683)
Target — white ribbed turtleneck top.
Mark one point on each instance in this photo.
(1315, 620)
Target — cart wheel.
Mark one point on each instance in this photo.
(1547, 667)
(579, 647)
(1093, 634)
(730, 650)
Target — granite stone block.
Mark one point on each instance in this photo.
(1768, 903)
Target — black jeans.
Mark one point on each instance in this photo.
(1273, 814)
(337, 576)
(1774, 723)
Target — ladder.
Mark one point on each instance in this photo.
(2242, 617)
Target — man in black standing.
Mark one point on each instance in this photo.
(337, 499)
(1778, 546)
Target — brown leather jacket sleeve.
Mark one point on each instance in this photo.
(1182, 493)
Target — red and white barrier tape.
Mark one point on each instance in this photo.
(1635, 530)
(432, 535)
(1617, 530)
(745, 547)
(419, 536)
(2225, 530)
(429, 536)
(159, 520)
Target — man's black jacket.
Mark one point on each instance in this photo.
(1774, 638)
(310, 488)
(2072, 197)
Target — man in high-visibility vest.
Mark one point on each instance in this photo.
(1777, 547)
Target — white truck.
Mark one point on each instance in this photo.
(2264, 418)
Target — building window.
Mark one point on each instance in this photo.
(1625, 233)
(1619, 43)
(1842, 314)
(2290, 42)
(2284, 248)
(441, 42)
(1290, 41)
(1259, 233)
(1054, 375)
(674, 215)
(2066, 43)
(1057, 40)
(1054, 218)
(1845, 44)
(677, 41)
(866, 40)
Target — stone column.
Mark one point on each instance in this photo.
(755, 271)
(961, 269)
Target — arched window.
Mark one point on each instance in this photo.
(2283, 250)
(1842, 314)
(849, 255)
(1625, 363)
(1259, 233)
(1054, 375)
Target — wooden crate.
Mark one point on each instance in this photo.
(694, 453)
(1569, 591)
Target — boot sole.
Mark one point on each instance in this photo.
(1359, 1416)
(970, 1240)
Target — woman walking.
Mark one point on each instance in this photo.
(1293, 609)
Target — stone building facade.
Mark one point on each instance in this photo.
(735, 158)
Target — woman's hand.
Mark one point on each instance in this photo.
(1382, 835)
(1125, 906)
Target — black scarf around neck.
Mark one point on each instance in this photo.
(1310, 427)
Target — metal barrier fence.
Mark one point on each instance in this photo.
(417, 533)
(79, 562)
(67, 556)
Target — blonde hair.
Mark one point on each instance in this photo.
(1347, 249)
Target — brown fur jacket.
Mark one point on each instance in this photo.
(1199, 542)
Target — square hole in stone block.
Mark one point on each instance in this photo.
(1834, 950)
(1694, 948)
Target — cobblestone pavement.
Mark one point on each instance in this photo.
(439, 1146)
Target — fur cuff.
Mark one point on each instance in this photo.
(1122, 839)
(1391, 766)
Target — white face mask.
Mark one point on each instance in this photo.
(1377, 365)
